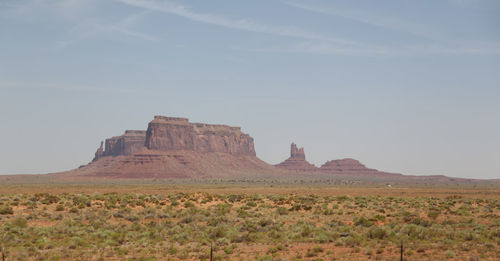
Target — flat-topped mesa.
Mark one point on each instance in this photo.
(297, 161)
(345, 165)
(168, 133)
(126, 144)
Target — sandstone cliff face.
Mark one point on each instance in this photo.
(297, 161)
(345, 165)
(168, 133)
(126, 144)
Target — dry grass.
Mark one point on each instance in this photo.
(178, 222)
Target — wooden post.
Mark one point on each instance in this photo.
(401, 250)
(211, 252)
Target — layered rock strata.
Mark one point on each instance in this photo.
(168, 133)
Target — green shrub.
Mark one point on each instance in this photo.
(318, 249)
(377, 233)
(362, 221)
(6, 210)
(449, 254)
(433, 214)
(20, 222)
(189, 204)
(251, 204)
(282, 211)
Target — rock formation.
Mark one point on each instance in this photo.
(297, 161)
(99, 153)
(297, 153)
(171, 134)
(126, 144)
(168, 133)
(345, 165)
(176, 148)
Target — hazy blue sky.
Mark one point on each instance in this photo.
(403, 86)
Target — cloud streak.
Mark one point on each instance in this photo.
(89, 28)
(240, 24)
(369, 18)
(439, 47)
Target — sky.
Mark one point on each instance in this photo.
(403, 86)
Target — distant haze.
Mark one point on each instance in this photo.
(410, 87)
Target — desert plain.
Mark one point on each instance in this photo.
(237, 220)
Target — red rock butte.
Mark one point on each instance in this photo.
(297, 161)
(176, 148)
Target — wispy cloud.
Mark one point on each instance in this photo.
(74, 12)
(437, 43)
(90, 28)
(370, 19)
(238, 24)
